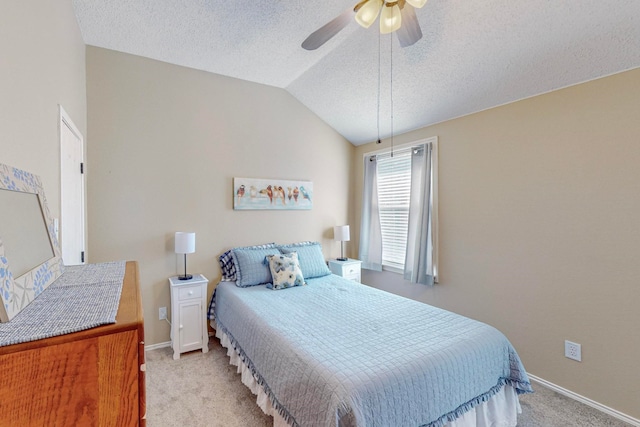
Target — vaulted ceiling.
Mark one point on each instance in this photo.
(473, 55)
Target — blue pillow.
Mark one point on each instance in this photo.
(250, 267)
(228, 267)
(311, 259)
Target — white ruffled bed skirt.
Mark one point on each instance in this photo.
(500, 411)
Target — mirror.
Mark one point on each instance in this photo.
(29, 253)
(23, 231)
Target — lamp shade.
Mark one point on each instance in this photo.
(341, 233)
(185, 242)
(368, 13)
(390, 18)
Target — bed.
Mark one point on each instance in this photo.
(335, 352)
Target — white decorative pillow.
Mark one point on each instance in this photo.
(285, 271)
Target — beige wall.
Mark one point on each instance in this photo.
(164, 144)
(540, 231)
(42, 64)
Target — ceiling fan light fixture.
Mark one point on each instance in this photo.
(417, 3)
(390, 18)
(368, 12)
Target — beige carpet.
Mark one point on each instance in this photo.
(204, 390)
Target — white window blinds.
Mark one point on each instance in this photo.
(394, 186)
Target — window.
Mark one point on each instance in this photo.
(399, 223)
(394, 188)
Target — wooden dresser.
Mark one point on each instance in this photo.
(94, 377)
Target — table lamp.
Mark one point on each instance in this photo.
(341, 234)
(185, 244)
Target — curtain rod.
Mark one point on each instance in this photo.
(401, 151)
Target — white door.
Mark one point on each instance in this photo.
(72, 191)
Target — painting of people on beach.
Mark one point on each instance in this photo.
(258, 193)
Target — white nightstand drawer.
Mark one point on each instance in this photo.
(189, 293)
(349, 269)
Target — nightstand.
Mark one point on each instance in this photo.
(188, 315)
(349, 269)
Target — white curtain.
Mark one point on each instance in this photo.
(370, 232)
(418, 265)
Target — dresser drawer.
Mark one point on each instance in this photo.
(189, 293)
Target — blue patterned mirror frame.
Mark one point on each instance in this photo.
(18, 292)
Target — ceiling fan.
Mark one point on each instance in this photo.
(395, 15)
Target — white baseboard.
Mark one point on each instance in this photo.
(159, 345)
(165, 344)
(600, 407)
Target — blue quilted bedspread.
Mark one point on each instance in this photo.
(338, 353)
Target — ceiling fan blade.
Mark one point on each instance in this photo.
(330, 29)
(410, 31)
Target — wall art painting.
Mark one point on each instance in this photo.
(259, 193)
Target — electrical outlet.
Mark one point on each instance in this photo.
(162, 313)
(573, 350)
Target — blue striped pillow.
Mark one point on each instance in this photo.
(310, 256)
(227, 267)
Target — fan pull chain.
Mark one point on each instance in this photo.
(391, 85)
(378, 108)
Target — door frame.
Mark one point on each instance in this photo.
(65, 120)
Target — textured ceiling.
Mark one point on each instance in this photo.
(473, 55)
